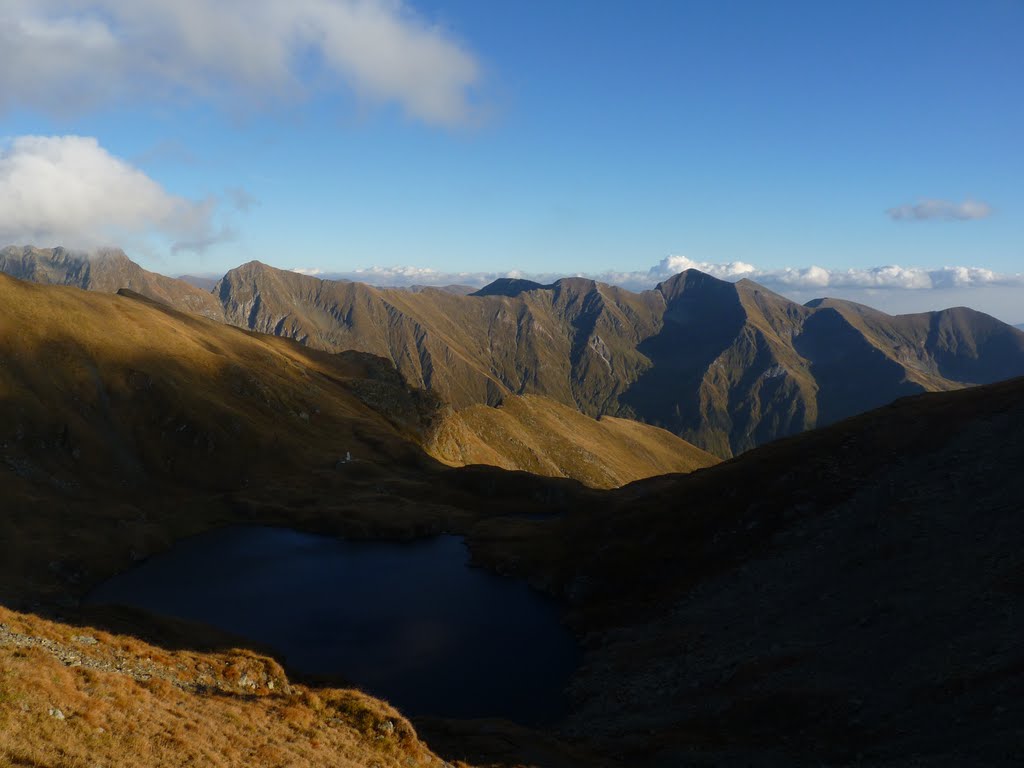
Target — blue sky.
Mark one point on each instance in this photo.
(458, 139)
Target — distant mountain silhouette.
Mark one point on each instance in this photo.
(509, 286)
(204, 282)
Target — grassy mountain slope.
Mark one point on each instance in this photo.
(541, 436)
(845, 595)
(725, 366)
(208, 386)
(80, 696)
(121, 398)
(122, 387)
(848, 595)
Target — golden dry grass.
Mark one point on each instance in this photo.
(538, 435)
(112, 385)
(82, 698)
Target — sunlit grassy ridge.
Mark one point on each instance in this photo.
(547, 438)
(72, 696)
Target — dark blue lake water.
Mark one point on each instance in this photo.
(409, 622)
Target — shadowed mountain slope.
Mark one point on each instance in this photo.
(848, 595)
(123, 387)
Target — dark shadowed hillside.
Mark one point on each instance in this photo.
(846, 596)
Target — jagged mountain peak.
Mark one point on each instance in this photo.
(724, 365)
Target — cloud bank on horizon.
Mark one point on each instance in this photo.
(71, 56)
(811, 278)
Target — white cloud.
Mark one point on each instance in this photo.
(405, 276)
(68, 190)
(887, 277)
(71, 55)
(941, 210)
(816, 279)
(676, 264)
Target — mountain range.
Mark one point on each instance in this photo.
(725, 366)
(846, 595)
(123, 392)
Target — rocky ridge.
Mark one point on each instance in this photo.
(725, 366)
